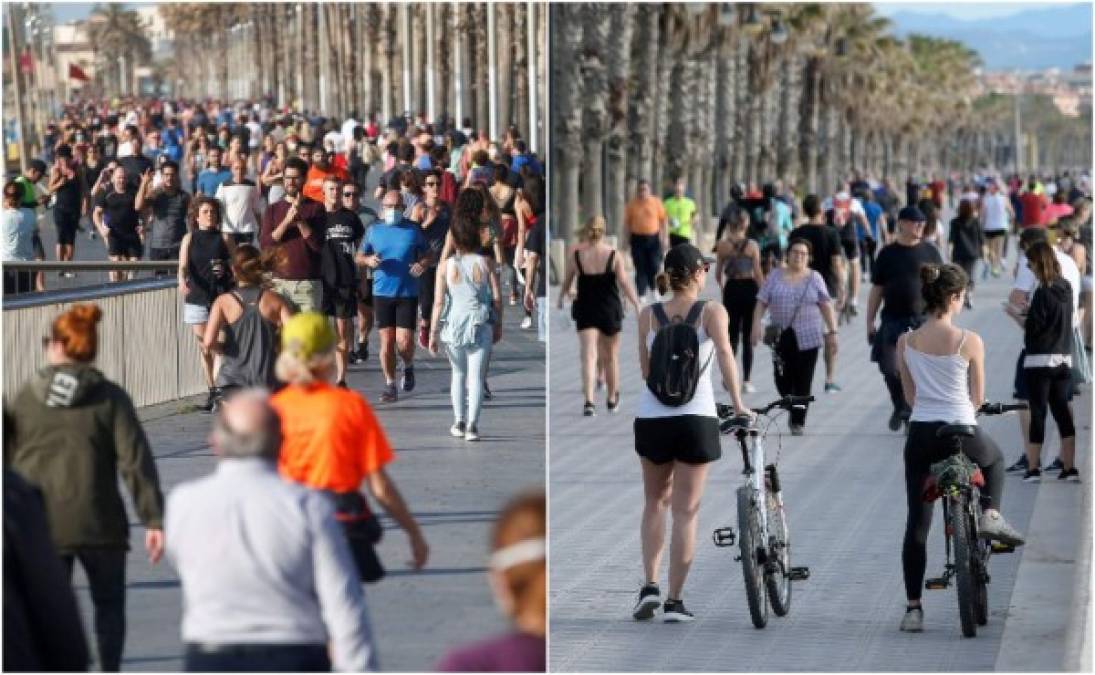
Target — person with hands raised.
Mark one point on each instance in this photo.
(297, 225)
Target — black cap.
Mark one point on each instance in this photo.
(913, 214)
(37, 164)
(684, 258)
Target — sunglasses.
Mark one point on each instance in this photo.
(431, 183)
(349, 194)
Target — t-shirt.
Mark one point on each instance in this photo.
(118, 209)
(399, 247)
(302, 256)
(1055, 212)
(168, 218)
(825, 243)
(513, 653)
(897, 270)
(1026, 282)
(211, 179)
(994, 212)
(241, 202)
(1033, 205)
(313, 183)
(331, 439)
(18, 233)
(645, 216)
(680, 211)
(874, 215)
(344, 230)
(536, 242)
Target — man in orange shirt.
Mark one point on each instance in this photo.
(647, 229)
(318, 172)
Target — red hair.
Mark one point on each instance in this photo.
(77, 331)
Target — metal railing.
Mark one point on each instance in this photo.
(20, 277)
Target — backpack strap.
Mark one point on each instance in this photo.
(578, 262)
(694, 313)
(658, 310)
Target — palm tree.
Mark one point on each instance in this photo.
(117, 33)
(566, 88)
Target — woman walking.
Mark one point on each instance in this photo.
(738, 272)
(76, 432)
(598, 311)
(203, 275)
(799, 304)
(467, 317)
(967, 241)
(942, 371)
(675, 444)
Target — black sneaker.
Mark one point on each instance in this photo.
(1056, 466)
(1020, 464)
(1032, 476)
(674, 612)
(613, 405)
(487, 393)
(389, 395)
(589, 410)
(364, 352)
(210, 401)
(1070, 475)
(649, 599)
(408, 379)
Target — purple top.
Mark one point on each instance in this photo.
(513, 652)
(782, 297)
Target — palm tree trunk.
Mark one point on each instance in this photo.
(724, 115)
(522, 65)
(504, 46)
(596, 22)
(618, 52)
(566, 91)
(808, 124)
(784, 139)
(741, 110)
(644, 61)
(482, 76)
(387, 61)
(665, 62)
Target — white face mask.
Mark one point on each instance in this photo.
(391, 216)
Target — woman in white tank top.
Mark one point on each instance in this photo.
(943, 375)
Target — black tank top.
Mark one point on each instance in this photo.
(598, 295)
(207, 267)
(68, 196)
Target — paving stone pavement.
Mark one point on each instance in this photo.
(455, 490)
(843, 485)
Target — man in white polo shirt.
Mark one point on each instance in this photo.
(242, 203)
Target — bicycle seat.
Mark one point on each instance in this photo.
(950, 430)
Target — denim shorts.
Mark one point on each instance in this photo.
(195, 314)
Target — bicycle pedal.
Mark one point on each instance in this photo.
(724, 536)
(936, 584)
(1000, 547)
(799, 574)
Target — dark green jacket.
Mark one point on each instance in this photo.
(75, 431)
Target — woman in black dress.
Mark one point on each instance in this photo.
(597, 310)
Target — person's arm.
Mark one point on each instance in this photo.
(213, 326)
(568, 277)
(874, 302)
(142, 192)
(758, 316)
(56, 179)
(290, 216)
(646, 317)
(496, 300)
(531, 268)
(135, 464)
(184, 255)
(624, 281)
(974, 349)
(720, 262)
(908, 387)
(499, 257)
(717, 327)
(97, 219)
(447, 249)
(386, 494)
(439, 287)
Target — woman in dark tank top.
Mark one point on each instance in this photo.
(738, 272)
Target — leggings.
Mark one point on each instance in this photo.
(794, 376)
(922, 449)
(105, 570)
(739, 296)
(967, 266)
(425, 293)
(469, 372)
(646, 253)
(1049, 386)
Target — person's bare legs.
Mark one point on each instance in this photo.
(830, 362)
(404, 342)
(608, 356)
(688, 481)
(364, 323)
(342, 347)
(116, 276)
(657, 491)
(387, 354)
(206, 356)
(587, 340)
(856, 271)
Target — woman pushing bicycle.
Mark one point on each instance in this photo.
(943, 376)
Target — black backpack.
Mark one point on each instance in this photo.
(675, 369)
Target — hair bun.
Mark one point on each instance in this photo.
(929, 273)
(87, 314)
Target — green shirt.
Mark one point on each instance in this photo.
(680, 211)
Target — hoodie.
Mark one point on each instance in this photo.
(1048, 327)
(75, 431)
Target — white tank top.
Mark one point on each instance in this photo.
(942, 386)
(702, 403)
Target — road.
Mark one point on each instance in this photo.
(843, 484)
(455, 490)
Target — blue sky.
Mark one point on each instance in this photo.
(961, 10)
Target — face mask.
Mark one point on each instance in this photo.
(391, 216)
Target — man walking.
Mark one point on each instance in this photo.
(344, 234)
(241, 202)
(896, 289)
(212, 177)
(682, 215)
(268, 580)
(296, 224)
(168, 205)
(117, 220)
(647, 228)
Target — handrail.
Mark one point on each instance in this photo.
(90, 265)
(86, 293)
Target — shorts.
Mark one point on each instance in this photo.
(341, 303)
(995, 234)
(692, 439)
(195, 314)
(303, 295)
(67, 224)
(39, 249)
(160, 254)
(851, 248)
(124, 246)
(395, 312)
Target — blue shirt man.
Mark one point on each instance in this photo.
(400, 245)
(210, 179)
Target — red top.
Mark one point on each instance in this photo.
(302, 257)
(1033, 205)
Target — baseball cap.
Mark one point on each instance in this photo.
(684, 257)
(307, 334)
(913, 214)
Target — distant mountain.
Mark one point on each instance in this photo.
(1054, 36)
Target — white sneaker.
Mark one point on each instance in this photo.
(748, 388)
(526, 323)
(472, 434)
(457, 430)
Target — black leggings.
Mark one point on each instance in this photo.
(922, 449)
(105, 570)
(1049, 386)
(794, 376)
(739, 296)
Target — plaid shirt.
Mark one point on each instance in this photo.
(782, 298)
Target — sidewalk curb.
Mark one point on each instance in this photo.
(1078, 639)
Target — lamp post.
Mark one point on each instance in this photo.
(22, 136)
(530, 8)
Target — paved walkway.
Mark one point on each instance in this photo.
(454, 489)
(844, 487)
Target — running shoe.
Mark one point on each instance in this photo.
(1070, 475)
(210, 401)
(993, 526)
(472, 434)
(1056, 466)
(389, 395)
(1032, 476)
(457, 430)
(526, 323)
(589, 410)
(1020, 464)
(613, 405)
(832, 388)
(748, 388)
(674, 612)
(913, 621)
(649, 600)
(408, 378)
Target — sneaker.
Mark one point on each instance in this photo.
(748, 388)
(1020, 464)
(613, 406)
(487, 393)
(797, 430)
(993, 526)
(1032, 476)
(832, 388)
(589, 410)
(389, 395)
(674, 612)
(526, 323)
(408, 379)
(913, 621)
(210, 401)
(472, 434)
(364, 352)
(424, 337)
(1056, 466)
(1070, 475)
(649, 600)
(457, 430)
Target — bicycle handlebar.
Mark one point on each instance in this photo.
(726, 411)
(1000, 408)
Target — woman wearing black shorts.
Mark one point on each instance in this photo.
(598, 311)
(675, 444)
(65, 185)
(738, 272)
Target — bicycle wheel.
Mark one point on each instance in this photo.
(964, 550)
(751, 569)
(982, 603)
(779, 551)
